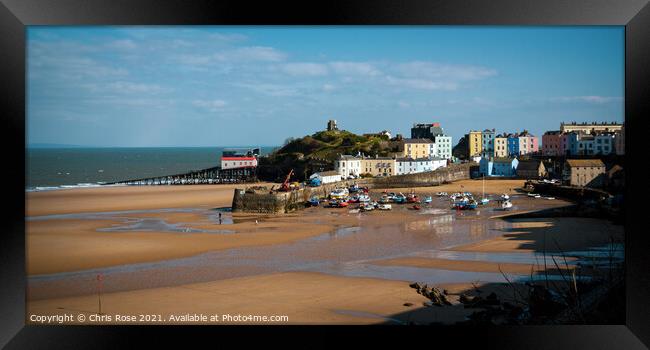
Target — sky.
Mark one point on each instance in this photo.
(155, 86)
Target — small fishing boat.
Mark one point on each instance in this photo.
(506, 205)
(484, 200)
(412, 198)
(400, 198)
(354, 211)
(428, 199)
(339, 193)
(505, 196)
(534, 195)
(416, 207)
(354, 188)
(384, 207)
(366, 207)
(441, 194)
(364, 198)
(314, 201)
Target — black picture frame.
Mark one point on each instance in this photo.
(15, 15)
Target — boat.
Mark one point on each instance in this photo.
(506, 205)
(354, 211)
(366, 207)
(384, 207)
(415, 207)
(314, 201)
(441, 194)
(354, 188)
(412, 198)
(338, 204)
(400, 198)
(505, 196)
(549, 197)
(484, 200)
(534, 195)
(384, 200)
(428, 199)
(364, 198)
(339, 193)
(472, 204)
(354, 199)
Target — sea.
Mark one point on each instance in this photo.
(60, 168)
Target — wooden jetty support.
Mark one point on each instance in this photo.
(214, 175)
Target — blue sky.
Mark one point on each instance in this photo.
(235, 86)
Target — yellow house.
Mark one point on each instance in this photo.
(475, 143)
(378, 166)
(417, 148)
(501, 146)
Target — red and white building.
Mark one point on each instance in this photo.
(233, 159)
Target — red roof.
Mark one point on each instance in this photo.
(237, 158)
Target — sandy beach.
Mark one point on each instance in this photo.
(165, 252)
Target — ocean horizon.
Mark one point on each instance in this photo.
(69, 166)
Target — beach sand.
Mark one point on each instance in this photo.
(306, 298)
(463, 265)
(69, 245)
(551, 235)
(84, 200)
(72, 244)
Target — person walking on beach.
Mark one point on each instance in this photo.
(219, 218)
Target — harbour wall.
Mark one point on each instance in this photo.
(262, 201)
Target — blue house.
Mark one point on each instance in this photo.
(513, 145)
(506, 167)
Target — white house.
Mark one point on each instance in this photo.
(438, 162)
(327, 177)
(443, 146)
(412, 166)
(348, 165)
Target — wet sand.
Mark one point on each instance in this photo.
(462, 265)
(551, 235)
(317, 266)
(84, 200)
(306, 298)
(69, 245)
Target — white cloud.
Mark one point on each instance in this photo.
(446, 72)
(130, 87)
(210, 105)
(403, 104)
(328, 87)
(305, 69)
(270, 89)
(251, 53)
(354, 68)
(588, 99)
(421, 84)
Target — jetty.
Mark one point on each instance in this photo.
(214, 175)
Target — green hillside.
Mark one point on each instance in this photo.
(317, 152)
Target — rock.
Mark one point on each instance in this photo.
(408, 304)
